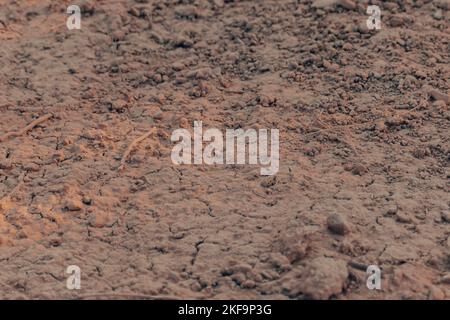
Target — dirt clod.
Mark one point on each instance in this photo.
(323, 278)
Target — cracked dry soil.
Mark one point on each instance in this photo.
(364, 136)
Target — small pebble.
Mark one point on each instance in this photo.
(347, 4)
(403, 218)
(391, 210)
(330, 66)
(437, 95)
(337, 224)
(32, 167)
(249, 284)
(445, 216)
(6, 164)
(73, 205)
(397, 21)
(445, 279)
(55, 241)
(438, 15)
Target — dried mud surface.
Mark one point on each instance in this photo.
(364, 133)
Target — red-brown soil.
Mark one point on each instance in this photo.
(364, 126)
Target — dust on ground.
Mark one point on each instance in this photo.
(364, 131)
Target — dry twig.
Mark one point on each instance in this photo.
(132, 146)
(26, 129)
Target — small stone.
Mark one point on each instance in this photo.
(392, 210)
(184, 123)
(330, 66)
(239, 278)
(380, 126)
(118, 35)
(219, 3)
(403, 218)
(32, 167)
(249, 284)
(359, 169)
(337, 224)
(200, 74)
(119, 106)
(115, 68)
(347, 4)
(87, 200)
(445, 216)
(347, 46)
(439, 104)
(438, 15)
(73, 205)
(134, 11)
(445, 279)
(187, 12)
(87, 7)
(6, 164)
(160, 98)
(437, 95)
(178, 66)
(321, 4)
(182, 42)
(421, 74)
(157, 77)
(397, 21)
(195, 286)
(58, 156)
(293, 244)
(55, 241)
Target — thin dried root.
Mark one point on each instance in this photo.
(26, 129)
(132, 146)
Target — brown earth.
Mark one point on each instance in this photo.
(364, 131)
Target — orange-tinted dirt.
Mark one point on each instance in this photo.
(364, 124)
